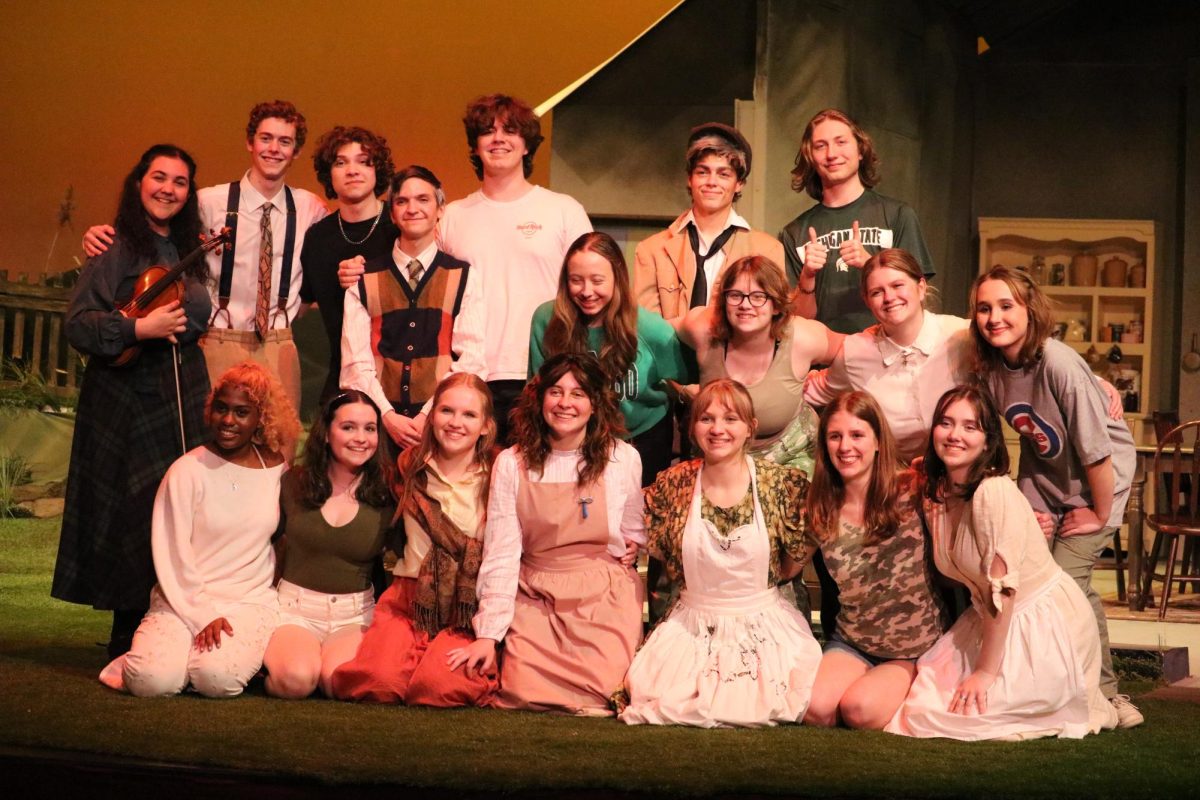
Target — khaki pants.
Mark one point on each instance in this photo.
(1077, 556)
(224, 348)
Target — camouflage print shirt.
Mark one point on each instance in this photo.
(890, 607)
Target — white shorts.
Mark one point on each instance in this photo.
(323, 614)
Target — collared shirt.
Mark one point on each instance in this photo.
(402, 259)
(907, 381)
(503, 542)
(714, 265)
(243, 293)
(460, 503)
(466, 335)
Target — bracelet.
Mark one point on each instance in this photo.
(802, 290)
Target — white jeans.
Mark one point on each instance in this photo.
(164, 659)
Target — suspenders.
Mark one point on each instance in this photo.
(225, 285)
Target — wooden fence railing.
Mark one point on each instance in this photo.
(31, 328)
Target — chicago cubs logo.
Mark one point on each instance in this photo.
(1025, 421)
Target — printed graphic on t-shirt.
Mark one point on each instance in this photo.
(627, 387)
(1046, 441)
(528, 229)
(880, 238)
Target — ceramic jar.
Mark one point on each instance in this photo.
(1083, 269)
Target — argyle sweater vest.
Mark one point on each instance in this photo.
(411, 329)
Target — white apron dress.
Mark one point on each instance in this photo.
(733, 652)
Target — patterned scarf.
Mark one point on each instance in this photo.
(445, 595)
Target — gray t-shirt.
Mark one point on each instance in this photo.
(1059, 410)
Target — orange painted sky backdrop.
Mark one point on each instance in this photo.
(86, 86)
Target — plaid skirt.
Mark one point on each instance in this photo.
(126, 436)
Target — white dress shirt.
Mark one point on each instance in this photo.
(359, 369)
(502, 538)
(907, 382)
(714, 265)
(243, 293)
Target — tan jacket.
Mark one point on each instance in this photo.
(665, 266)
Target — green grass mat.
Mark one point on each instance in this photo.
(50, 699)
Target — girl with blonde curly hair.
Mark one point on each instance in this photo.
(213, 608)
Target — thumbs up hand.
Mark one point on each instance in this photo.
(815, 255)
(852, 251)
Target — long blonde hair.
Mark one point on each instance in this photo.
(414, 459)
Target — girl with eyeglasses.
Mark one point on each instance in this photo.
(748, 334)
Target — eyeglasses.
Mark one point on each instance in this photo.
(757, 299)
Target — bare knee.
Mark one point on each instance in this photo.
(292, 681)
(822, 711)
(865, 710)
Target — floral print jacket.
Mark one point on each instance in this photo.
(781, 492)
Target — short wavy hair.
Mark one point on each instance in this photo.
(732, 395)
(805, 177)
(1041, 318)
(374, 145)
(769, 276)
(280, 109)
(482, 113)
(278, 425)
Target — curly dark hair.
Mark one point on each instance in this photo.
(280, 109)
(531, 434)
(517, 116)
(374, 145)
(805, 177)
(132, 225)
(992, 461)
(882, 511)
(313, 479)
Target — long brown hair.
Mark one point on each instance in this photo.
(374, 488)
(992, 461)
(414, 459)
(567, 331)
(827, 493)
(1041, 318)
(769, 276)
(531, 434)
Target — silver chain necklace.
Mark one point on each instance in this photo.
(342, 228)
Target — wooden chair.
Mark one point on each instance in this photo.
(1179, 515)
(1164, 423)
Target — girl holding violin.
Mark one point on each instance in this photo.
(132, 421)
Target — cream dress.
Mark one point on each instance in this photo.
(733, 652)
(1048, 683)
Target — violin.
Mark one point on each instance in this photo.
(158, 286)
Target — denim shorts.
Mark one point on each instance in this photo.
(836, 642)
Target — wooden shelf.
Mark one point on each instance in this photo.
(1021, 242)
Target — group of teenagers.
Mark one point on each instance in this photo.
(537, 391)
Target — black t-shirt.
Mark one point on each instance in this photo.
(324, 248)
